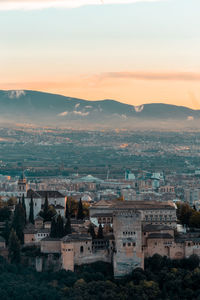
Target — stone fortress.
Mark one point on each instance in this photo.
(132, 231)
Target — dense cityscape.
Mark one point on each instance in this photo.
(121, 201)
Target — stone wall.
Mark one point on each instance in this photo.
(29, 238)
(51, 245)
(158, 246)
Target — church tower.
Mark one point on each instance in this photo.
(22, 186)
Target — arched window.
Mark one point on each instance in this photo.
(81, 249)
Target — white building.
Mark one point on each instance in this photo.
(55, 198)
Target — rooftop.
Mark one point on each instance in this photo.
(76, 237)
(141, 205)
(151, 228)
(43, 194)
(160, 236)
(89, 178)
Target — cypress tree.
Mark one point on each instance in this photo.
(60, 226)
(80, 214)
(14, 247)
(92, 231)
(100, 232)
(66, 210)
(68, 228)
(53, 232)
(46, 208)
(19, 221)
(24, 206)
(31, 213)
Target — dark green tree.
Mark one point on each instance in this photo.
(92, 231)
(60, 226)
(6, 232)
(66, 210)
(46, 208)
(5, 214)
(53, 232)
(24, 206)
(80, 214)
(19, 221)
(31, 213)
(14, 247)
(47, 216)
(184, 212)
(67, 227)
(100, 232)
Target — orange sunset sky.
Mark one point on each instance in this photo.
(132, 51)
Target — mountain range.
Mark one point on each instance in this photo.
(45, 109)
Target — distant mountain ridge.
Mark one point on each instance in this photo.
(55, 110)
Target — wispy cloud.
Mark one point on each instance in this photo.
(184, 76)
(42, 4)
(81, 113)
(63, 114)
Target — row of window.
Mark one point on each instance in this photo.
(161, 217)
(105, 220)
(43, 234)
(99, 242)
(67, 250)
(196, 244)
(129, 244)
(128, 233)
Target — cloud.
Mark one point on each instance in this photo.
(75, 112)
(183, 76)
(42, 4)
(77, 105)
(64, 113)
(80, 113)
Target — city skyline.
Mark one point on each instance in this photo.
(138, 52)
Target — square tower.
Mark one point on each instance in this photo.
(127, 229)
(22, 186)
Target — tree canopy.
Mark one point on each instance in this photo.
(162, 279)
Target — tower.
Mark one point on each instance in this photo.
(22, 186)
(127, 230)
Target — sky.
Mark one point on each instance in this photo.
(132, 51)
